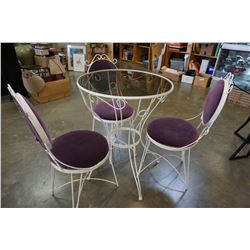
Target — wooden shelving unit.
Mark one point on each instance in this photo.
(189, 54)
(135, 53)
(177, 52)
(141, 54)
(104, 48)
(213, 57)
(147, 54)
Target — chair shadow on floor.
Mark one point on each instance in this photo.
(165, 180)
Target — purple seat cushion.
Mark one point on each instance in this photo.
(172, 132)
(107, 112)
(212, 101)
(81, 148)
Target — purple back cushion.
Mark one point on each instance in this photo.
(212, 101)
(101, 64)
(100, 81)
(38, 138)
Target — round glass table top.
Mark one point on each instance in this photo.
(125, 84)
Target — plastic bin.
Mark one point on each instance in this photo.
(177, 64)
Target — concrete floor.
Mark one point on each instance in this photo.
(214, 180)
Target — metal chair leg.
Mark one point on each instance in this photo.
(134, 171)
(144, 154)
(72, 190)
(79, 191)
(53, 180)
(186, 164)
(112, 166)
(89, 175)
(93, 124)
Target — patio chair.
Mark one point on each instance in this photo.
(174, 134)
(74, 153)
(106, 111)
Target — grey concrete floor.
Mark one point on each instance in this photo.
(214, 180)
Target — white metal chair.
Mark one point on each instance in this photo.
(105, 110)
(74, 153)
(174, 134)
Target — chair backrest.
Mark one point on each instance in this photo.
(216, 99)
(101, 62)
(101, 80)
(32, 118)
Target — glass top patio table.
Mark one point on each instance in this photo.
(126, 84)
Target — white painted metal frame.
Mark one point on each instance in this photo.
(98, 57)
(56, 164)
(186, 150)
(136, 124)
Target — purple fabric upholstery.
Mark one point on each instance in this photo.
(100, 65)
(38, 138)
(212, 101)
(101, 80)
(81, 149)
(107, 112)
(59, 76)
(172, 132)
(39, 119)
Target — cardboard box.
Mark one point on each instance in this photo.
(173, 75)
(202, 80)
(187, 79)
(54, 90)
(207, 49)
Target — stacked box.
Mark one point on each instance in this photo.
(202, 80)
(173, 75)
